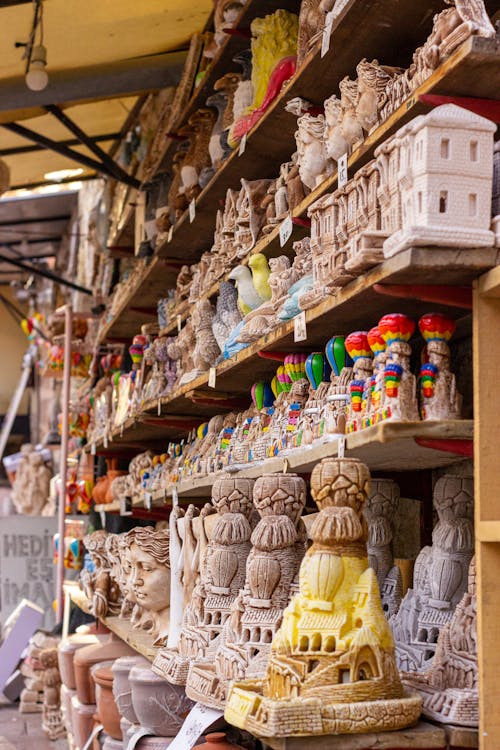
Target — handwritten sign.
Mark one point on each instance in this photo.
(286, 229)
(300, 327)
(212, 375)
(27, 568)
(342, 170)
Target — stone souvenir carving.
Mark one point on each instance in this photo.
(274, 47)
(380, 509)
(248, 297)
(302, 268)
(249, 215)
(227, 314)
(450, 687)
(52, 721)
(149, 555)
(219, 102)
(439, 397)
(361, 354)
(334, 412)
(100, 587)
(400, 384)
(372, 83)
(198, 129)
(336, 144)
(31, 487)
(206, 349)
(313, 162)
(31, 698)
(332, 668)
(140, 619)
(243, 96)
(181, 350)
(278, 545)
(228, 85)
(440, 576)
(222, 574)
(311, 21)
(444, 178)
(176, 198)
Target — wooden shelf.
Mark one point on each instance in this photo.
(477, 58)
(136, 639)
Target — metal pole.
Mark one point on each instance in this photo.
(68, 321)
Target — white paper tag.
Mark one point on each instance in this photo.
(179, 323)
(105, 440)
(212, 375)
(192, 210)
(195, 724)
(126, 506)
(243, 145)
(93, 449)
(159, 407)
(342, 170)
(175, 497)
(327, 33)
(148, 500)
(170, 233)
(300, 327)
(286, 229)
(341, 447)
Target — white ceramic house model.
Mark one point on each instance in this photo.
(445, 180)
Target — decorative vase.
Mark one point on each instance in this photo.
(149, 694)
(85, 659)
(107, 710)
(66, 652)
(122, 689)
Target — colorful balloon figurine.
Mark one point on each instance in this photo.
(136, 349)
(396, 327)
(376, 341)
(392, 377)
(357, 346)
(284, 379)
(436, 327)
(317, 369)
(262, 395)
(337, 355)
(428, 375)
(294, 365)
(356, 389)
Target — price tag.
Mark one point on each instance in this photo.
(175, 496)
(212, 375)
(286, 230)
(192, 210)
(327, 33)
(341, 447)
(126, 506)
(195, 724)
(170, 233)
(342, 170)
(159, 407)
(179, 323)
(300, 327)
(105, 440)
(243, 145)
(148, 500)
(410, 102)
(93, 450)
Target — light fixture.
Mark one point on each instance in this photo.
(37, 77)
(62, 174)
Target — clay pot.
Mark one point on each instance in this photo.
(83, 721)
(121, 685)
(66, 707)
(65, 655)
(111, 744)
(112, 474)
(100, 490)
(128, 730)
(153, 743)
(107, 709)
(217, 741)
(149, 694)
(85, 659)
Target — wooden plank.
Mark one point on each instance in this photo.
(488, 531)
(486, 365)
(489, 284)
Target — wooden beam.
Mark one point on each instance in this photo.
(489, 284)
(69, 142)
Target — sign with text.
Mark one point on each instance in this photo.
(27, 569)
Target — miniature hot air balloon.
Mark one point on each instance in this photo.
(396, 327)
(262, 395)
(136, 349)
(275, 386)
(356, 389)
(284, 379)
(357, 345)
(428, 375)
(337, 355)
(435, 326)
(317, 369)
(202, 430)
(375, 340)
(392, 378)
(294, 365)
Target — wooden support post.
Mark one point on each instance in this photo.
(486, 359)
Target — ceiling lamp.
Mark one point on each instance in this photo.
(35, 53)
(37, 77)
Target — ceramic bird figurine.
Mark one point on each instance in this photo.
(248, 298)
(227, 314)
(260, 273)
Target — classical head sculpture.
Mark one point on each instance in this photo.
(150, 576)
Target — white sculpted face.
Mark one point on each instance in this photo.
(150, 580)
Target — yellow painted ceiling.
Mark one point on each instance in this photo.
(81, 33)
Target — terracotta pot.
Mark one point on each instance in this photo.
(85, 658)
(66, 707)
(149, 694)
(121, 685)
(217, 741)
(100, 490)
(112, 474)
(83, 721)
(66, 653)
(107, 709)
(111, 744)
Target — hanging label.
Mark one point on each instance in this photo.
(341, 447)
(126, 506)
(342, 170)
(286, 229)
(93, 450)
(148, 500)
(192, 210)
(159, 407)
(327, 33)
(179, 323)
(300, 327)
(195, 724)
(175, 497)
(105, 440)
(170, 233)
(243, 145)
(212, 375)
